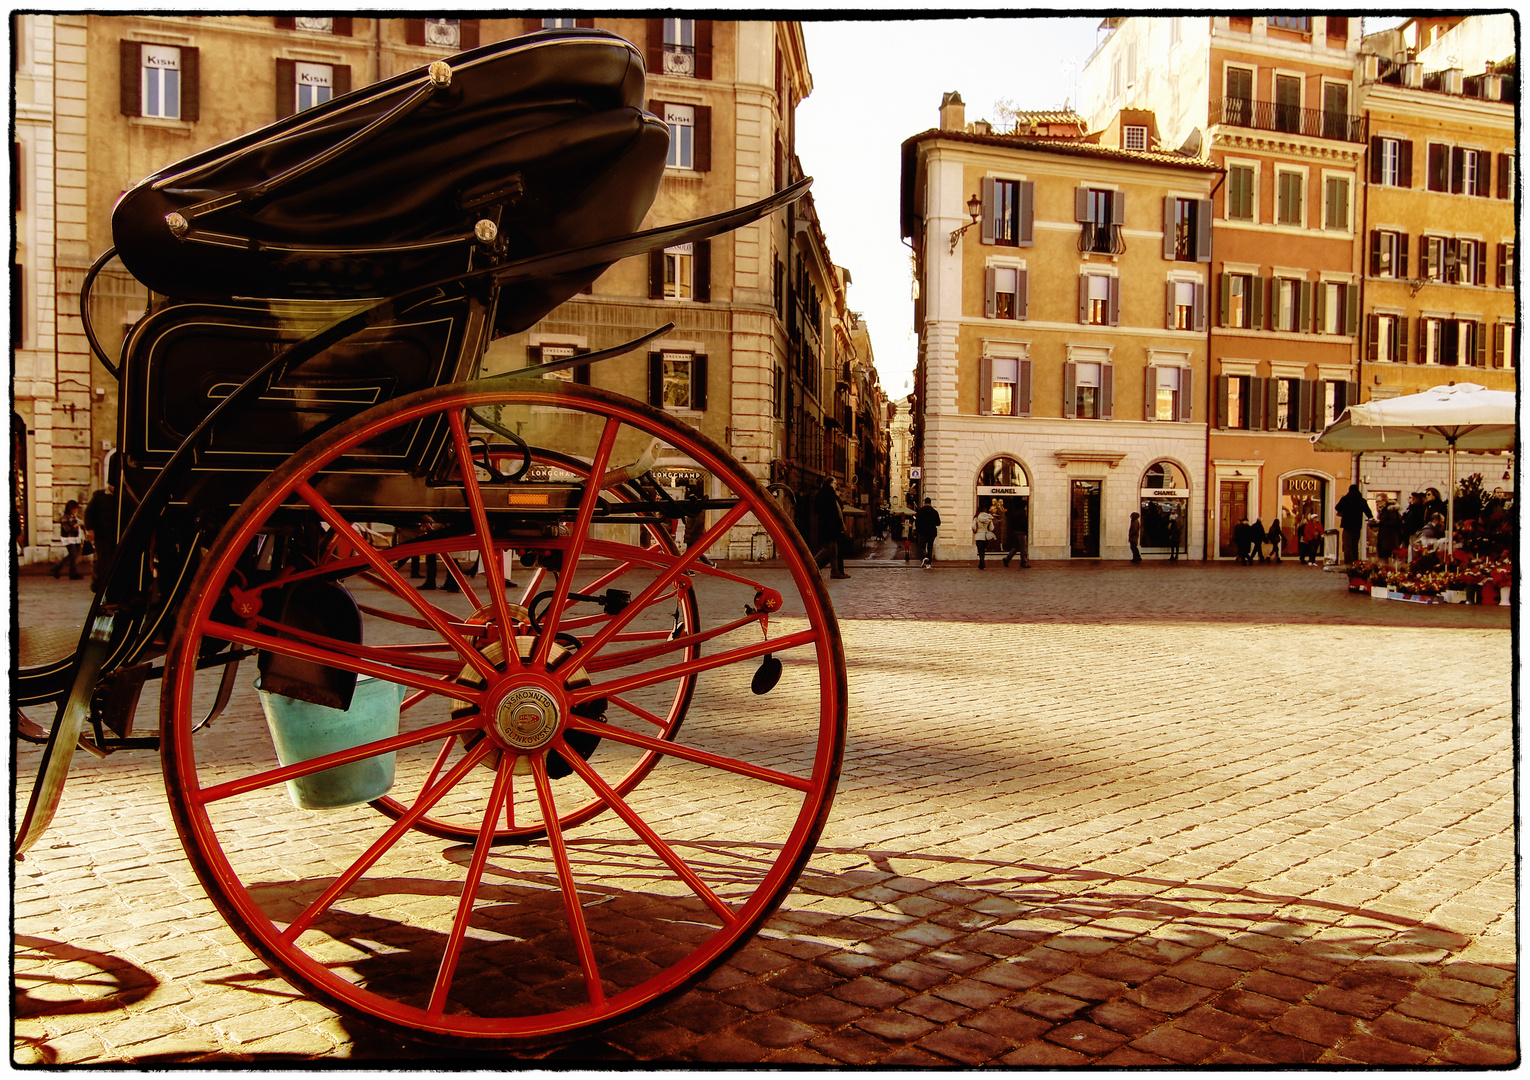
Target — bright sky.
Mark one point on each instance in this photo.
(877, 83)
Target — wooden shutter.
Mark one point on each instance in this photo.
(1256, 303)
(1203, 230)
(1022, 293)
(1498, 349)
(1351, 394)
(1503, 177)
(699, 382)
(1107, 391)
(1458, 170)
(985, 385)
(1373, 338)
(656, 379)
(990, 285)
(1255, 398)
(701, 266)
(1023, 390)
(1168, 305)
(1081, 204)
(703, 48)
(1319, 310)
(1479, 339)
(653, 48)
(1400, 268)
(344, 26)
(286, 22)
(701, 159)
(1070, 389)
(1169, 202)
(1150, 392)
(1484, 174)
(1405, 163)
(1113, 305)
(191, 83)
(467, 33)
(1400, 336)
(1351, 310)
(414, 31)
(1224, 314)
(1083, 298)
(1199, 310)
(1027, 213)
(1186, 401)
(1376, 145)
(1480, 276)
(656, 274)
(1375, 253)
(1272, 402)
(286, 87)
(130, 54)
(1304, 306)
(340, 79)
(533, 355)
(1222, 383)
(986, 189)
(1117, 204)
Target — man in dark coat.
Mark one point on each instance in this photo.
(926, 527)
(831, 529)
(1353, 511)
(1389, 529)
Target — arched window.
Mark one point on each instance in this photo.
(1004, 490)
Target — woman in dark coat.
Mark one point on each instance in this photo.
(1389, 530)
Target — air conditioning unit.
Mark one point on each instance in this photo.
(1450, 80)
(1412, 75)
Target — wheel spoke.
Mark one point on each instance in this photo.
(493, 568)
(692, 667)
(637, 711)
(649, 837)
(469, 899)
(428, 797)
(689, 753)
(667, 644)
(571, 905)
(398, 654)
(393, 578)
(587, 502)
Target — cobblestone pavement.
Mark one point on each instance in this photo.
(1091, 815)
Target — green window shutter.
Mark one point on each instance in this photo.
(1169, 202)
(1203, 230)
(986, 192)
(1027, 213)
(1351, 309)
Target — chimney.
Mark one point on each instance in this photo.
(953, 113)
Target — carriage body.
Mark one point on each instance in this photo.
(302, 418)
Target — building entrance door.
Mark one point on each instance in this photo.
(1084, 520)
(1234, 508)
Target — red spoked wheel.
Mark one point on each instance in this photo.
(554, 851)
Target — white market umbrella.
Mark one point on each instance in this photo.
(1464, 416)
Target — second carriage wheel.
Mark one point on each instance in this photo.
(557, 852)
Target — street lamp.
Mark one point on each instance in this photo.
(975, 209)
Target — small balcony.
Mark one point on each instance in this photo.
(1268, 116)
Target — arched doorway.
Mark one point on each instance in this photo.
(1302, 496)
(1004, 490)
(1164, 503)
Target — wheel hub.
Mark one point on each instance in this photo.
(526, 718)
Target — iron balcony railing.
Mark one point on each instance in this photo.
(1268, 116)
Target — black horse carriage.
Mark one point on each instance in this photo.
(501, 814)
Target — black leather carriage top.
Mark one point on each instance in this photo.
(545, 133)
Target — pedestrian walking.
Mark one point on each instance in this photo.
(101, 526)
(926, 528)
(1256, 537)
(982, 534)
(831, 529)
(1353, 512)
(1277, 538)
(1134, 536)
(1176, 536)
(69, 532)
(1389, 529)
(1308, 537)
(1017, 541)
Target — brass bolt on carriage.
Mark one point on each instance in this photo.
(504, 814)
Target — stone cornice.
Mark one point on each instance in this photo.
(1256, 141)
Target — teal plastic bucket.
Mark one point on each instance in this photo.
(301, 730)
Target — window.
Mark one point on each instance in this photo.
(1240, 402)
(161, 82)
(1238, 108)
(1242, 301)
(442, 33)
(677, 380)
(1007, 288)
(1240, 193)
(1389, 253)
(559, 24)
(1290, 304)
(1451, 342)
(1506, 279)
(1508, 175)
(682, 272)
(682, 135)
(1430, 333)
(1099, 300)
(1168, 393)
(552, 353)
(1005, 386)
(1468, 262)
(1431, 258)
(1336, 119)
(1288, 103)
(1134, 137)
(315, 84)
(1187, 229)
(680, 47)
(1288, 197)
(1465, 172)
(1300, 23)
(1504, 338)
(1391, 161)
(1438, 174)
(1088, 389)
(1337, 306)
(1283, 407)
(1186, 306)
(1009, 211)
(1388, 338)
(1101, 212)
(1336, 203)
(1335, 400)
